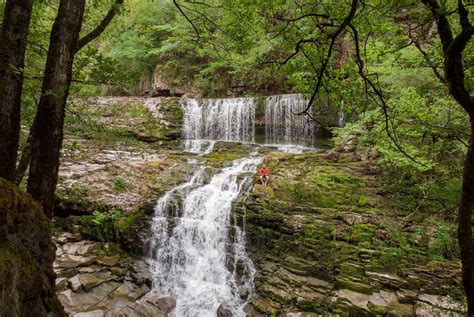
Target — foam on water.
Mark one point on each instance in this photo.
(231, 119)
(191, 258)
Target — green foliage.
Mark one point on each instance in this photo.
(444, 245)
(113, 225)
(103, 225)
(119, 184)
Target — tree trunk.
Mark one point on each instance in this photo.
(47, 133)
(465, 238)
(16, 21)
(23, 163)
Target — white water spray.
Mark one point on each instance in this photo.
(191, 257)
(283, 125)
(207, 120)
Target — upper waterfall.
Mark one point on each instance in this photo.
(233, 119)
(283, 124)
(230, 119)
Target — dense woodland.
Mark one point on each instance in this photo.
(401, 71)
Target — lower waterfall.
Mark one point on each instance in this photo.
(194, 255)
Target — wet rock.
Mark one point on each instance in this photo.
(118, 271)
(91, 284)
(165, 303)
(90, 269)
(129, 291)
(61, 284)
(66, 237)
(73, 261)
(140, 273)
(75, 284)
(87, 281)
(223, 311)
(156, 306)
(80, 248)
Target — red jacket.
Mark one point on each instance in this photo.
(264, 171)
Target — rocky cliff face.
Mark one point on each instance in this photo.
(119, 152)
(323, 235)
(325, 240)
(27, 280)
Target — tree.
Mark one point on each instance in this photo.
(13, 37)
(454, 75)
(47, 130)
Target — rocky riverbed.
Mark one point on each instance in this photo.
(97, 279)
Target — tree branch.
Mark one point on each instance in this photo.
(189, 20)
(101, 27)
(378, 92)
(334, 36)
(452, 49)
(429, 62)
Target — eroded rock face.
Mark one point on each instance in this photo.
(324, 241)
(27, 280)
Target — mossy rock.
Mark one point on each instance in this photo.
(26, 256)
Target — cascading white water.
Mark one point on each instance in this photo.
(341, 116)
(190, 258)
(231, 119)
(283, 125)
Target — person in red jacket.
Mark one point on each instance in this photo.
(264, 175)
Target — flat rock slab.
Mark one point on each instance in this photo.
(80, 302)
(87, 281)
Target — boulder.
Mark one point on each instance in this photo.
(87, 281)
(223, 311)
(84, 301)
(154, 305)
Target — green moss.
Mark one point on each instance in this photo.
(218, 159)
(361, 233)
(318, 232)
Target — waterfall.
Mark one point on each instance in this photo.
(194, 255)
(230, 119)
(341, 116)
(283, 125)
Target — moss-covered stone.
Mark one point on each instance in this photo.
(323, 220)
(27, 280)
